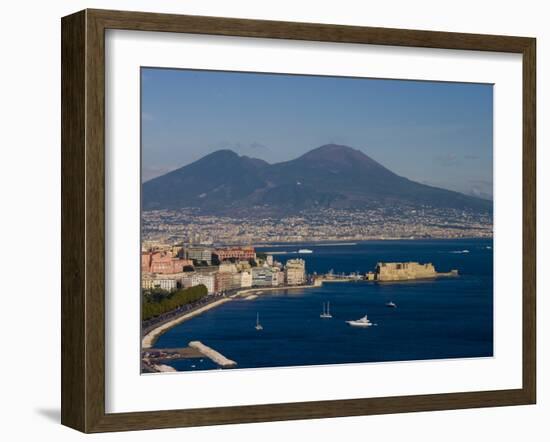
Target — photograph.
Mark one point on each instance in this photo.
(303, 220)
(271, 221)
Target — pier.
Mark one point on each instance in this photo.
(340, 279)
(213, 355)
(154, 359)
(258, 291)
(161, 368)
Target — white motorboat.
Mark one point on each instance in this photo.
(258, 325)
(305, 251)
(326, 311)
(363, 322)
(391, 304)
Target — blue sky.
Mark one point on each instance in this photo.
(437, 133)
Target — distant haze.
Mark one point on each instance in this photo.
(436, 133)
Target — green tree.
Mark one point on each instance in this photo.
(154, 306)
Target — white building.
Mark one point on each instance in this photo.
(207, 279)
(280, 277)
(146, 281)
(264, 276)
(193, 279)
(227, 267)
(236, 281)
(149, 282)
(164, 284)
(246, 279)
(295, 272)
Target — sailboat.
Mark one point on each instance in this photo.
(326, 312)
(258, 325)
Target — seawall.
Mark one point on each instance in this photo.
(149, 339)
(212, 354)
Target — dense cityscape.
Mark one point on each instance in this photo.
(184, 248)
(193, 261)
(220, 270)
(191, 226)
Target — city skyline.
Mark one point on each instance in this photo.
(431, 132)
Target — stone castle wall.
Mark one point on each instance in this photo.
(402, 271)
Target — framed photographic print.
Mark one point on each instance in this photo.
(270, 220)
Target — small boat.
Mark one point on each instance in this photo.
(305, 251)
(258, 325)
(326, 312)
(363, 322)
(391, 304)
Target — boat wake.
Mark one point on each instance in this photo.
(460, 251)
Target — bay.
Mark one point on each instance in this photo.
(434, 319)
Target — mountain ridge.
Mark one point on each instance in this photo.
(329, 176)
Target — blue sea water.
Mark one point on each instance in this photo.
(434, 319)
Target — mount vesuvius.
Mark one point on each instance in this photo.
(330, 176)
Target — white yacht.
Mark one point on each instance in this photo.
(258, 325)
(305, 251)
(391, 304)
(363, 322)
(326, 311)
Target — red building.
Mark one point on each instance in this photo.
(162, 262)
(238, 253)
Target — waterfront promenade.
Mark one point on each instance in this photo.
(150, 338)
(152, 335)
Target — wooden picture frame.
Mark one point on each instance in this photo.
(83, 220)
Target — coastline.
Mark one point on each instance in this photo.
(150, 338)
(255, 290)
(286, 309)
(359, 241)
